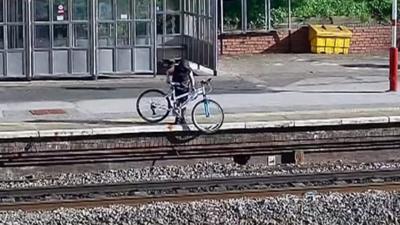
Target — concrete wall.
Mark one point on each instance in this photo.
(366, 39)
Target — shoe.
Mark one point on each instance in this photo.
(180, 120)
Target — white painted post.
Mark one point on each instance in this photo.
(394, 24)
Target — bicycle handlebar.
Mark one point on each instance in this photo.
(208, 81)
(204, 84)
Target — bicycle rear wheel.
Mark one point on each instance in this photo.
(153, 106)
(208, 116)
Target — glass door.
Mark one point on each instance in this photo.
(144, 36)
(61, 37)
(124, 41)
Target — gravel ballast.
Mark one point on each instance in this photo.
(373, 207)
(201, 170)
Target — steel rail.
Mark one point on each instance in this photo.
(188, 197)
(203, 188)
(186, 184)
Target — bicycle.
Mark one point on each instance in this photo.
(207, 115)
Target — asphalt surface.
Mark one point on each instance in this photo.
(244, 75)
(109, 89)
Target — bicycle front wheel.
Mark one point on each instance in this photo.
(153, 106)
(208, 116)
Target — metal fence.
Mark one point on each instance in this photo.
(254, 15)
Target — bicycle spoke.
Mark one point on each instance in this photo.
(208, 116)
(153, 106)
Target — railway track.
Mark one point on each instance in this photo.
(149, 153)
(45, 198)
(382, 139)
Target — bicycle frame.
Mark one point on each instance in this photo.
(192, 96)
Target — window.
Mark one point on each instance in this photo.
(143, 22)
(14, 8)
(143, 32)
(1, 11)
(15, 37)
(60, 10)
(42, 10)
(173, 5)
(243, 15)
(232, 15)
(169, 20)
(60, 35)
(106, 34)
(105, 9)
(81, 35)
(173, 23)
(42, 36)
(124, 9)
(143, 9)
(123, 32)
(80, 10)
(1, 37)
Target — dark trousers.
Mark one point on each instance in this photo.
(180, 91)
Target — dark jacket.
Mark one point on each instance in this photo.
(183, 74)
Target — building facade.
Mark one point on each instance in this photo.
(58, 38)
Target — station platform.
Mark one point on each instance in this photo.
(267, 91)
(243, 121)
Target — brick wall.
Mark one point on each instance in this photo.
(15, 153)
(370, 39)
(366, 39)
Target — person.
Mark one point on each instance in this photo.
(181, 74)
